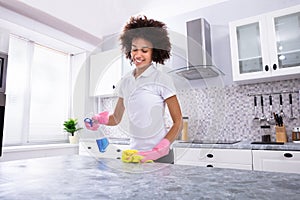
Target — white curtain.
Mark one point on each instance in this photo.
(37, 93)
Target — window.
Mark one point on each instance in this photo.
(38, 93)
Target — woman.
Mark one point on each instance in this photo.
(145, 92)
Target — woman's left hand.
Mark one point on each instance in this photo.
(160, 150)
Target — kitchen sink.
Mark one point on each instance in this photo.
(212, 141)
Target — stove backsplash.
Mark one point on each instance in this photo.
(226, 113)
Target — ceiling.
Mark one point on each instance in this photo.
(93, 19)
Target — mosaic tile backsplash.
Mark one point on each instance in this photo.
(227, 113)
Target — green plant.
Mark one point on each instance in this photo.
(71, 126)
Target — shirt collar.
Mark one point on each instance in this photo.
(147, 72)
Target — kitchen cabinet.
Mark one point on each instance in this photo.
(220, 158)
(90, 148)
(276, 161)
(106, 70)
(266, 47)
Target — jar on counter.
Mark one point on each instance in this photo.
(296, 134)
(184, 133)
(266, 133)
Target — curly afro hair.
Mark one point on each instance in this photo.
(150, 30)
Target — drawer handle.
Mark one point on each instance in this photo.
(288, 155)
(89, 147)
(118, 158)
(209, 166)
(119, 150)
(267, 67)
(274, 66)
(210, 155)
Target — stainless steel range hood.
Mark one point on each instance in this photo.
(199, 63)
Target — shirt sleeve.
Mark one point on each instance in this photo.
(119, 89)
(167, 86)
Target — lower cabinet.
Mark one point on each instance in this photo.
(276, 161)
(220, 158)
(90, 148)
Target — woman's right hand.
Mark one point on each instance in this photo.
(94, 123)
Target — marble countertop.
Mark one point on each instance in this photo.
(80, 177)
(242, 145)
(239, 145)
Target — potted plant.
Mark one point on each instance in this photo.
(70, 126)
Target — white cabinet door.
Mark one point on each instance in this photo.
(284, 41)
(276, 161)
(105, 72)
(222, 158)
(249, 48)
(266, 46)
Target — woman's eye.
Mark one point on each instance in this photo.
(133, 50)
(144, 50)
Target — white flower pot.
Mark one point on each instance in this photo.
(73, 139)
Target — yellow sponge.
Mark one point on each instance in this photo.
(131, 156)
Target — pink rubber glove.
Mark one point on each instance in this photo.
(160, 150)
(101, 118)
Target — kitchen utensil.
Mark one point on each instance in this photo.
(271, 119)
(292, 117)
(263, 117)
(280, 105)
(278, 119)
(255, 109)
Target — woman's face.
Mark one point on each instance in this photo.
(141, 52)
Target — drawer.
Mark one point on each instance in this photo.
(216, 165)
(233, 156)
(281, 155)
(276, 161)
(91, 149)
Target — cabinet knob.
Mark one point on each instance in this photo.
(118, 158)
(209, 166)
(288, 155)
(267, 67)
(210, 155)
(119, 150)
(274, 66)
(113, 87)
(89, 147)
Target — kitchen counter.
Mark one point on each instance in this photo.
(242, 145)
(79, 177)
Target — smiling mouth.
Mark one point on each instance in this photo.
(138, 60)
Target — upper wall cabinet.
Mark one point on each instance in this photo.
(106, 71)
(266, 47)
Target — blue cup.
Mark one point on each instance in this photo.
(102, 144)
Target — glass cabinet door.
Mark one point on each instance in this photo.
(287, 31)
(249, 48)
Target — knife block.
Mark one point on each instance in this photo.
(280, 134)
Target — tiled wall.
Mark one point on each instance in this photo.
(227, 112)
